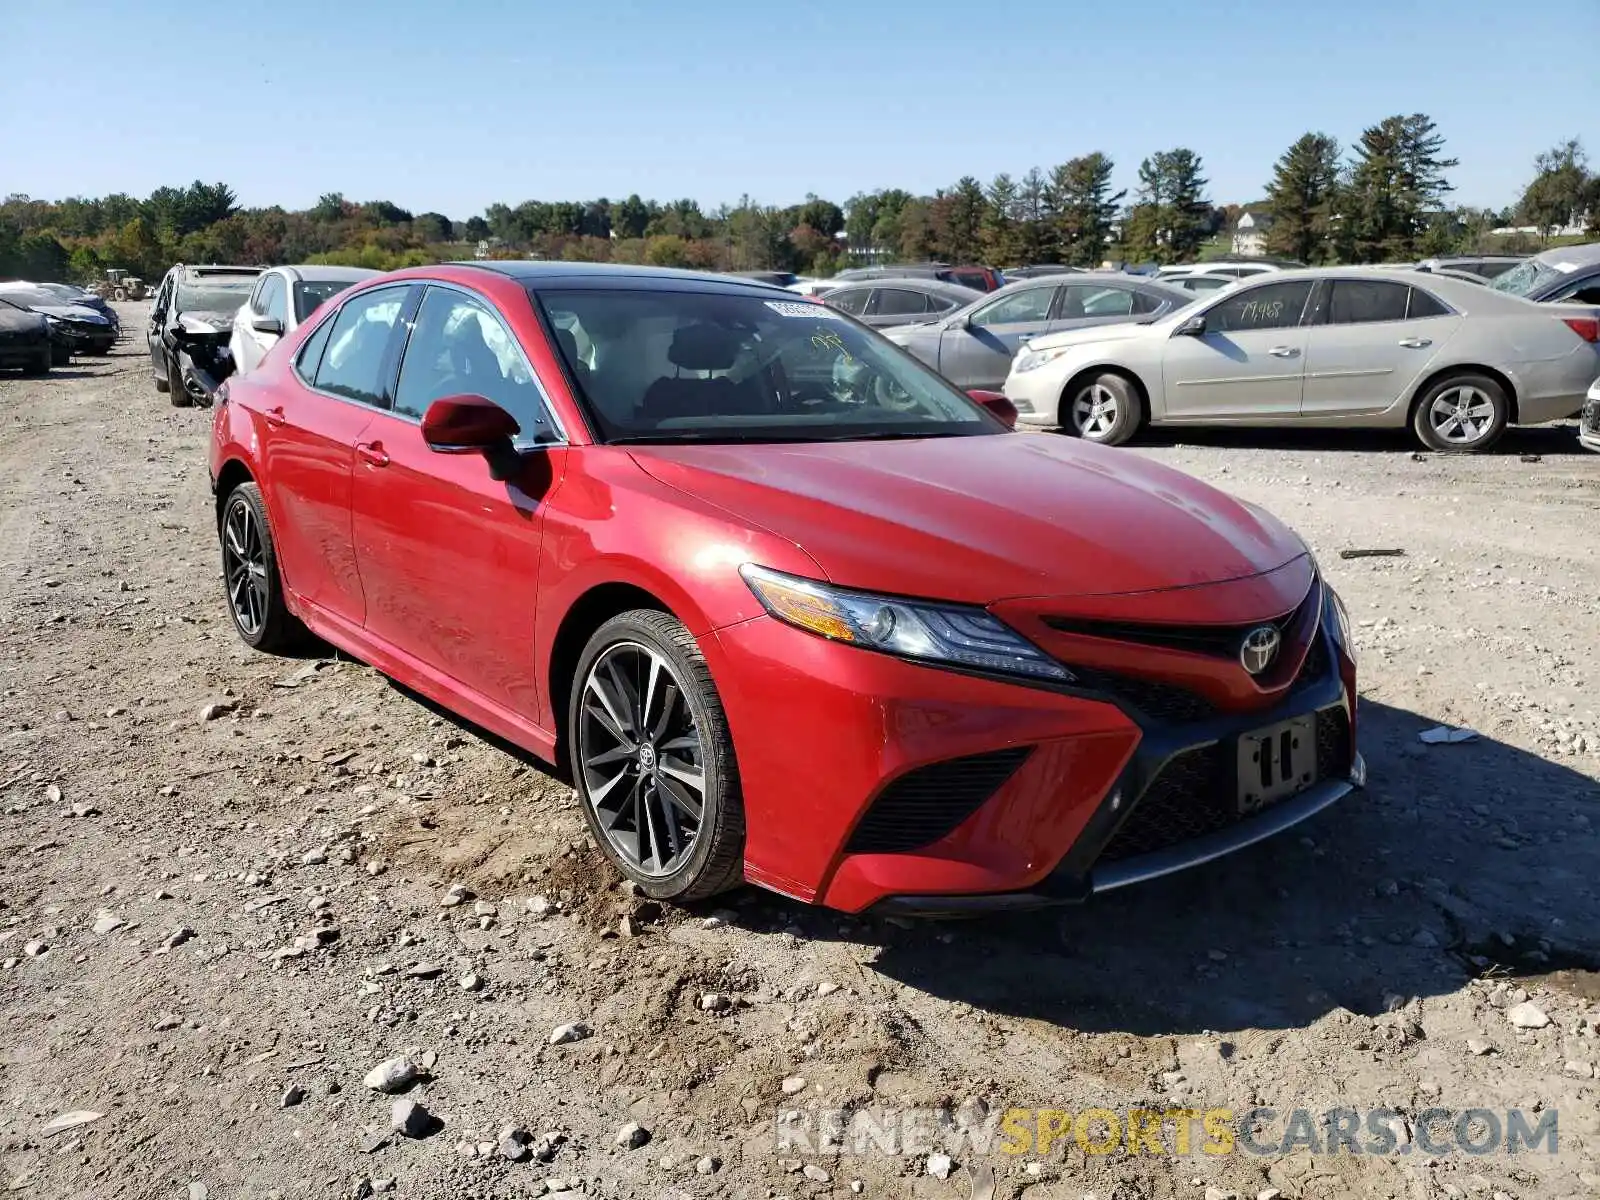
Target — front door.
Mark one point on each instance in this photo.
(978, 354)
(309, 443)
(1249, 362)
(449, 557)
(1369, 344)
(159, 310)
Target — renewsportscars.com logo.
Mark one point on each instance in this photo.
(1178, 1132)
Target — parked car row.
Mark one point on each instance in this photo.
(209, 322)
(76, 322)
(1456, 362)
(679, 532)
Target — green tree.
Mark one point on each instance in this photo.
(957, 219)
(1170, 216)
(1397, 180)
(1086, 207)
(1302, 199)
(1559, 189)
(1002, 240)
(1035, 227)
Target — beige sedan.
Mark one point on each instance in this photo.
(1353, 347)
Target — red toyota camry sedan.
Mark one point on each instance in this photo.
(789, 607)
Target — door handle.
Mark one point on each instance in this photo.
(274, 416)
(1284, 352)
(372, 454)
(1415, 343)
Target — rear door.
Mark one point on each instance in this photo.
(448, 556)
(1248, 364)
(979, 353)
(1370, 340)
(310, 427)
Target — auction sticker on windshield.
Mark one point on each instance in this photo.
(803, 308)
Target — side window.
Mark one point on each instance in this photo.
(1424, 305)
(850, 300)
(459, 346)
(1030, 304)
(310, 356)
(258, 296)
(358, 344)
(274, 297)
(1107, 302)
(895, 302)
(1269, 306)
(1361, 301)
(1585, 292)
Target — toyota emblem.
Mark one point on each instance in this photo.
(1259, 648)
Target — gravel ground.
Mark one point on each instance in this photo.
(225, 891)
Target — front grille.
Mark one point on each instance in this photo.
(1218, 641)
(1193, 795)
(1188, 799)
(1316, 663)
(1161, 701)
(1333, 743)
(1590, 418)
(928, 803)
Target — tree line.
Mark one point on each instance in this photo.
(1385, 200)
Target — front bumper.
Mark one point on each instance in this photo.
(827, 733)
(1037, 395)
(1589, 419)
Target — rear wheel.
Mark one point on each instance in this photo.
(120, 294)
(250, 574)
(653, 759)
(1104, 409)
(1460, 414)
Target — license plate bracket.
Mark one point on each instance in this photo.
(1276, 761)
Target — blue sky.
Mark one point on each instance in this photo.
(449, 107)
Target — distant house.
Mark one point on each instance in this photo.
(1250, 234)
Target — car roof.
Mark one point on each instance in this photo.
(192, 272)
(915, 283)
(1578, 255)
(621, 276)
(322, 273)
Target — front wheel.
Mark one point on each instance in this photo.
(250, 572)
(1461, 414)
(1104, 409)
(60, 356)
(653, 759)
(41, 363)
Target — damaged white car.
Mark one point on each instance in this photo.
(191, 321)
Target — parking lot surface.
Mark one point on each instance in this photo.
(182, 821)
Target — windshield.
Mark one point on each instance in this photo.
(1525, 278)
(214, 295)
(308, 295)
(701, 366)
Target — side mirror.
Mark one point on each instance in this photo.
(1193, 327)
(470, 424)
(271, 325)
(998, 404)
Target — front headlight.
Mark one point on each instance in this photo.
(956, 635)
(1032, 360)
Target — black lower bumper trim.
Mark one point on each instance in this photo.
(1057, 889)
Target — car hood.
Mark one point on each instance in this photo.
(70, 312)
(979, 519)
(1091, 334)
(199, 322)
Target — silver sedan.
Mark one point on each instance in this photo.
(1454, 361)
(973, 346)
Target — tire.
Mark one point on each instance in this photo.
(1105, 409)
(688, 725)
(60, 356)
(1461, 414)
(177, 393)
(120, 294)
(41, 364)
(245, 536)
